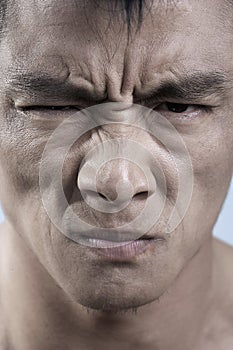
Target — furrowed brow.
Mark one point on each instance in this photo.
(192, 87)
(50, 88)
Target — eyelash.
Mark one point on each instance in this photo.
(198, 109)
(52, 108)
(184, 107)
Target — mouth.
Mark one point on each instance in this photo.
(114, 236)
(119, 249)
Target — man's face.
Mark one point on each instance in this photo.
(189, 43)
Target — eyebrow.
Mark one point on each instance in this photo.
(192, 87)
(39, 84)
(189, 87)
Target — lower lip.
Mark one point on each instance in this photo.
(122, 251)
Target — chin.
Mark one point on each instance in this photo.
(113, 305)
(109, 299)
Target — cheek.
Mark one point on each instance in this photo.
(210, 151)
(22, 143)
(21, 149)
(20, 152)
(213, 163)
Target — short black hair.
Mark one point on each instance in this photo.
(131, 8)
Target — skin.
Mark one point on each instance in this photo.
(56, 294)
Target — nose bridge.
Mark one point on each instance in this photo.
(121, 113)
(116, 169)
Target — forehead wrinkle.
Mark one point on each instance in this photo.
(166, 5)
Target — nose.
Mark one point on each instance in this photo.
(118, 182)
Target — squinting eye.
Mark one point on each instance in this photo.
(45, 112)
(177, 107)
(52, 108)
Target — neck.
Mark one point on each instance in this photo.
(39, 315)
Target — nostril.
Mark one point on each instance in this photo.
(141, 195)
(93, 194)
(102, 196)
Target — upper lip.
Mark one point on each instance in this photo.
(114, 235)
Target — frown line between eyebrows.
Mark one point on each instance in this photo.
(192, 87)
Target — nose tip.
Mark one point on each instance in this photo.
(122, 191)
(118, 182)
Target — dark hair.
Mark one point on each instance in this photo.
(131, 8)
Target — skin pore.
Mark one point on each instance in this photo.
(56, 294)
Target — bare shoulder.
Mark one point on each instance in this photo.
(223, 262)
(3, 226)
(3, 338)
(2, 330)
(3, 229)
(217, 330)
(223, 254)
(222, 246)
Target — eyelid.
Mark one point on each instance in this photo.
(201, 103)
(46, 110)
(197, 113)
(187, 105)
(38, 107)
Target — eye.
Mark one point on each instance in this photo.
(40, 111)
(51, 108)
(178, 108)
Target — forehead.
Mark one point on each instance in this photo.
(89, 39)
